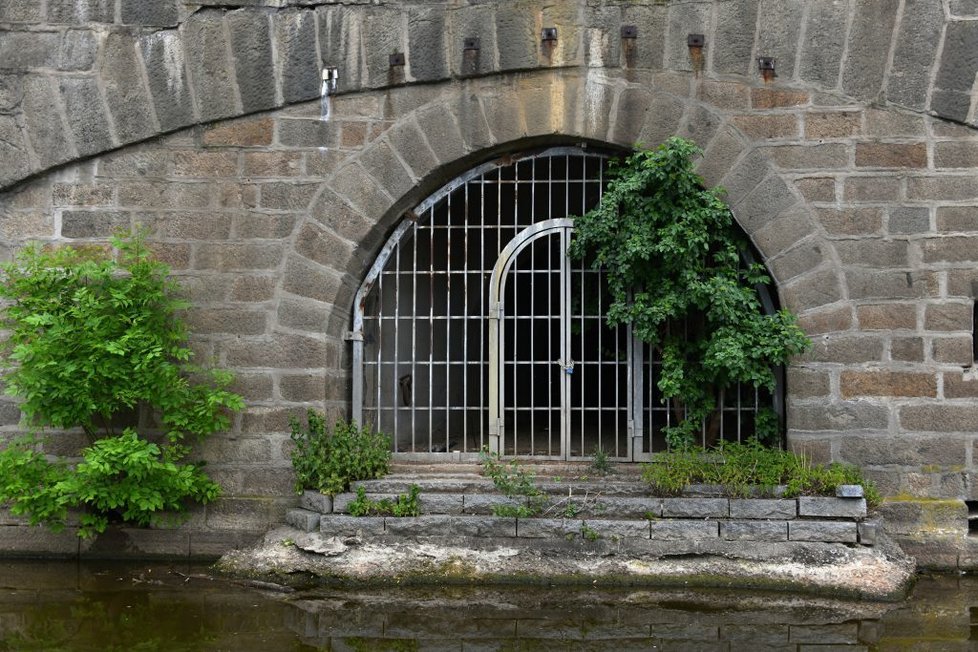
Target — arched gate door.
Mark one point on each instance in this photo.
(474, 330)
(559, 382)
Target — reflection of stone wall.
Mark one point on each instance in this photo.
(848, 170)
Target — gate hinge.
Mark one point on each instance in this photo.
(353, 336)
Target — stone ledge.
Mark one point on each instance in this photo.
(878, 573)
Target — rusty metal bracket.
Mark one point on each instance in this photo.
(629, 31)
(548, 34)
(397, 59)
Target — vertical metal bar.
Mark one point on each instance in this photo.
(532, 322)
(379, 382)
(431, 325)
(465, 324)
(397, 338)
(449, 273)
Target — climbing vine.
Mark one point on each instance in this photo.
(672, 256)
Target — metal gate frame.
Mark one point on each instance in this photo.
(638, 388)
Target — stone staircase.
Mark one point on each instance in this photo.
(457, 506)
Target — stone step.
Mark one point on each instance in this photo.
(398, 483)
(500, 530)
(600, 506)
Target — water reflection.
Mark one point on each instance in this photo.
(66, 606)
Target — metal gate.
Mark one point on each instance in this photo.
(558, 375)
(474, 330)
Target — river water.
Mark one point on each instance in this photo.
(144, 607)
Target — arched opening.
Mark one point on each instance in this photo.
(474, 330)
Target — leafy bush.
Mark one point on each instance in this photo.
(672, 257)
(92, 338)
(329, 461)
(743, 469)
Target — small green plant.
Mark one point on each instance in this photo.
(402, 505)
(571, 509)
(514, 482)
(328, 461)
(600, 464)
(588, 533)
(750, 468)
(93, 338)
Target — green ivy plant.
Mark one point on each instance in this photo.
(328, 461)
(94, 336)
(672, 256)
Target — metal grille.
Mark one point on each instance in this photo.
(564, 384)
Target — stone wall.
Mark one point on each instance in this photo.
(853, 170)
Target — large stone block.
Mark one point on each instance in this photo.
(127, 98)
(475, 22)
(210, 68)
(812, 290)
(158, 13)
(169, 83)
(695, 507)
(891, 155)
(754, 530)
(872, 30)
(672, 530)
(78, 50)
(23, 50)
(441, 131)
(13, 151)
(303, 519)
(295, 46)
(339, 525)
(956, 75)
(647, 50)
(887, 316)
(251, 47)
(78, 12)
(913, 57)
(839, 417)
(939, 418)
(826, 531)
(831, 507)
(428, 46)
(684, 19)
(359, 189)
(821, 52)
(550, 528)
(733, 40)
(49, 138)
(516, 34)
(869, 283)
(384, 33)
(85, 111)
(762, 508)
(93, 224)
(778, 29)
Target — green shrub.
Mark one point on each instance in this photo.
(329, 461)
(93, 337)
(672, 256)
(750, 468)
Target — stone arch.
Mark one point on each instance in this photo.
(431, 143)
